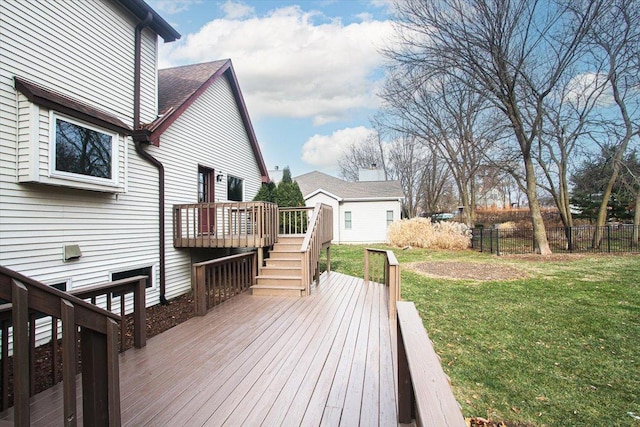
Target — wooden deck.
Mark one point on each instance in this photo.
(326, 359)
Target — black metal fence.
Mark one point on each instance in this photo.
(577, 239)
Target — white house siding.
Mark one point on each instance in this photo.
(209, 133)
(85, 50)
(368, 220)
(333, 202)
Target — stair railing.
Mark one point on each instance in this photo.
(98, 349)
(318, 237)
(218, 280)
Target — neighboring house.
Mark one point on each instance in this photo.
(362, 210)
(82, 149)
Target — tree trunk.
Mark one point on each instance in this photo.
(539, 231)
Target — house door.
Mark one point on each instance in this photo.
(206, 194)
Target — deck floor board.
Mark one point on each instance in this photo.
(325, 359)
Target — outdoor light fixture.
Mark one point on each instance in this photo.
(219, 177)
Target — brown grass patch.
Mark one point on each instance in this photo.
(466, 270)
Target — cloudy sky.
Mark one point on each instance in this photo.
(309, 70)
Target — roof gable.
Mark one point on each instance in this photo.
(180, 87)
(312, 182)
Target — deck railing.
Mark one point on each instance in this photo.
(29, 299)
(318, 236)
(225, 225)
(294, 220)
(381, 266)
(424, 390)
(217, 280)
(135, 286)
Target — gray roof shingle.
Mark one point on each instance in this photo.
(176, 85)
(313, 181)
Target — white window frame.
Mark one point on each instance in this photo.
(115, 159)
(389, 221)
(348, 222)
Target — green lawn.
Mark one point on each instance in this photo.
(560, 348)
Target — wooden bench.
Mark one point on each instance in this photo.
(424, 390)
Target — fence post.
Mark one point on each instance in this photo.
(608, 238)
(498, 242)
(491, 240)
(570, 233)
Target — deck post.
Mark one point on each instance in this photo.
(69, 344)
(405, 388)
(394, 289)
(260, 257)
(95, 381)
(329, 258)
(140, 315)
(199, 291)
(366, 266)
(19, 299)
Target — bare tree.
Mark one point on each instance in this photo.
(362, 155)
(569, 118)
(615, 44)
(453, 120)
(514, 53)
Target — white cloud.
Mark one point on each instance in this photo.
(582, 87)
(324, 151)
(387, 5)
(236, 10)
(171, 7)
(287, 64)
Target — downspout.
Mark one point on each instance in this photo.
(141, 136)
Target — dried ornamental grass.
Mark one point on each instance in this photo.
(421, 233)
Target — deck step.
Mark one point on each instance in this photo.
(274, 290)
(279, 280)
(287, 247)
(282, 262)
(288, 238)
(285, 254)
(281, 271)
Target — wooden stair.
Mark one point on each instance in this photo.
(282, 273)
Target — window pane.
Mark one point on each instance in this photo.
(144, 271)
(82, 151)
(389, 217)
(347, 220)
(234, 188)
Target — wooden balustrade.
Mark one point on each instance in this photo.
(381, 266)
(317, 237)
(294, 220)
(225, 225)
(29, 299)
(219, 279)
(121, 288)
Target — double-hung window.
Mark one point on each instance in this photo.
(83, 152)
(347, 220)
(389, 217)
